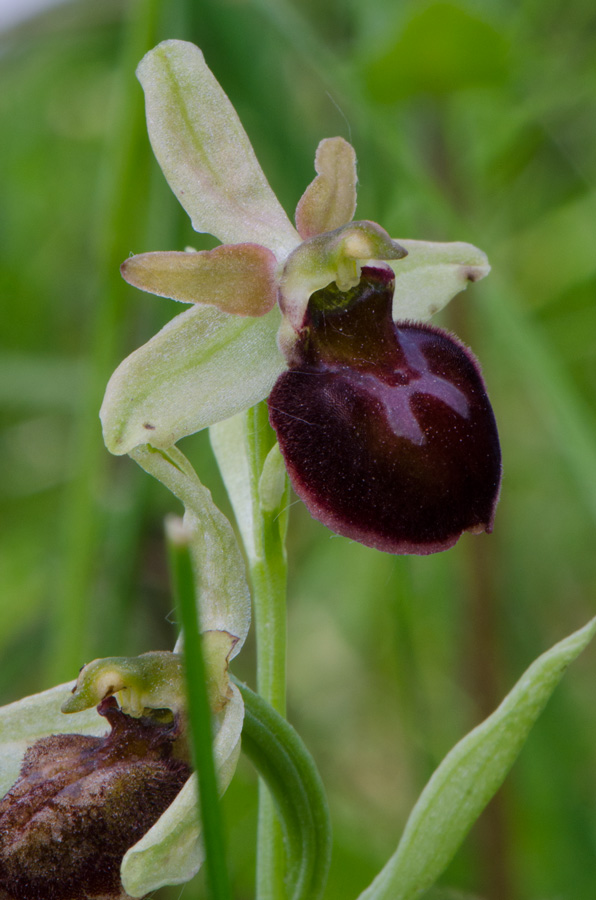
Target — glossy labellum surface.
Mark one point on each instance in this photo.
(386, 429)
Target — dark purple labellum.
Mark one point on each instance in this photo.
(386, 429)
(80, 803)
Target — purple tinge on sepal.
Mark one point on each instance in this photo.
(386, 429)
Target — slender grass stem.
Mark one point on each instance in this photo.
(199, 713)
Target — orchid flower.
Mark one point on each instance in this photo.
(394, 442)
(58, 739)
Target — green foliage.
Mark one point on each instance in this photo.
(469, 776)
(282, 759)
(391, 660)
(442, 49)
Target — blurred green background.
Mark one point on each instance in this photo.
(472, 121)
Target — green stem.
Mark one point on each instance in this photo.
(268, 571)
(199, 712)
(242, 446)
(269, 593)
(269, 579)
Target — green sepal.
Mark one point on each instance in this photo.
(432, 274)
(205, 153)
(204, 366)
(26, 721)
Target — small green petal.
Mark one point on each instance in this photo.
(27, 720)
(432, 274)
(239, 279)
(204, 366)
(330, 200)
(171, 852)
(205, 153)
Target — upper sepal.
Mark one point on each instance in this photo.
(205, 153)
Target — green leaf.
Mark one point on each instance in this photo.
(469, 776)
(204, 366)
(432, 274)
(205, 153)
(442, 48)
(283, 761)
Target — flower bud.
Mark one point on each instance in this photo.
(81, 802)
(386, 428)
